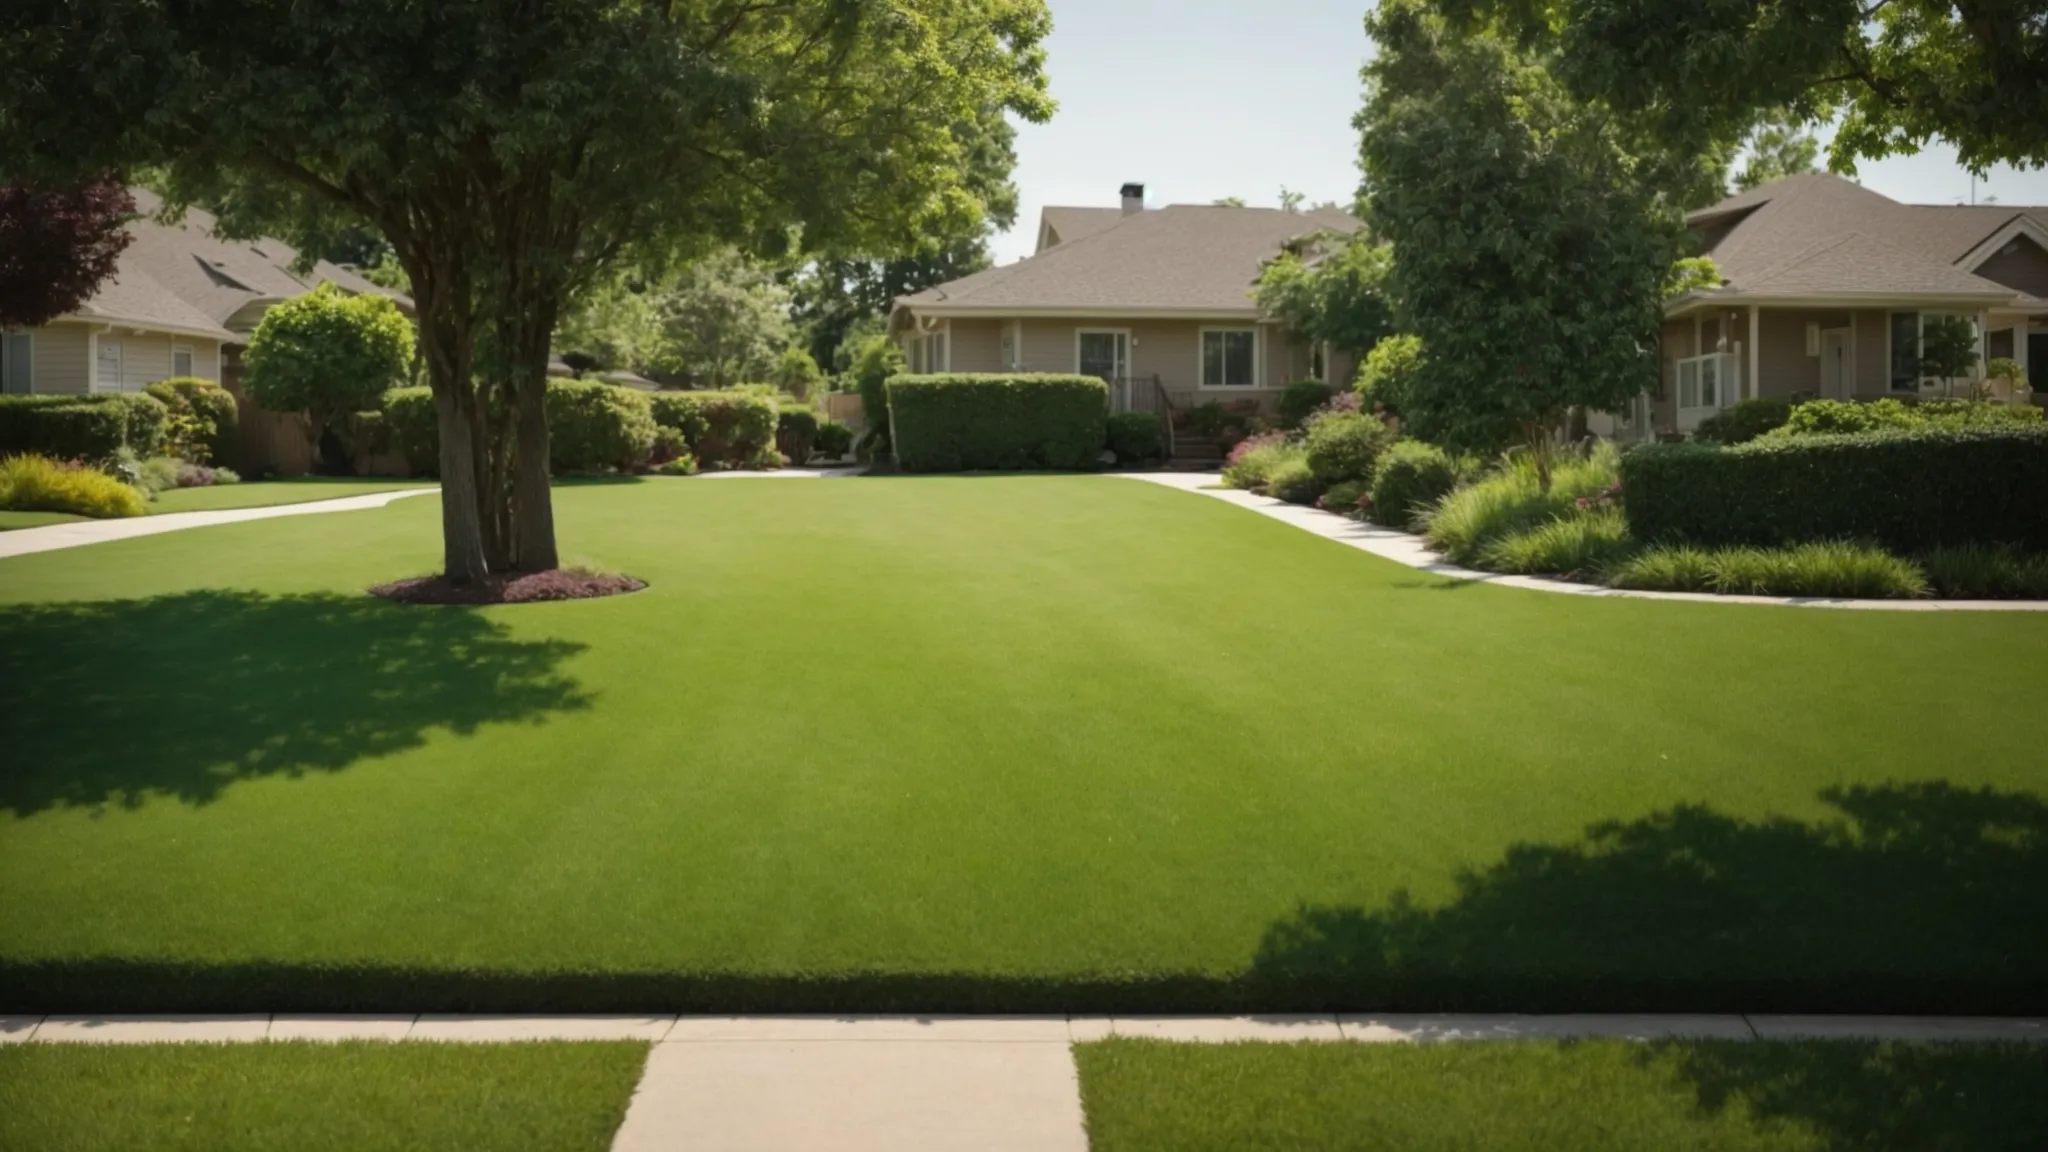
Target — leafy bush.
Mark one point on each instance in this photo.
(1137, 437)
(1207, 419)
(959, 421)
(684, 465)
(796, 430)
(1345, 445)
(1908, 491)
(211, 411)
(413, 427)
(1829, 568)
(1976, 572)
(81, 427)
(1410, 478)
(160, 474)
(1388, 373)
(226, 476)
(1744, 421)
(1292, 480)
(1835, 417)
(797, 374)
(327, 354)
(1955, 415)
(594, 426)
(1346, 498)
(833, 439)
(192, 475)
(668, 445)
(36, 483)
(875, 361)
(1510, 501)
(1578, 547)
(722, 429)
(1299, 399)
(1254, 458)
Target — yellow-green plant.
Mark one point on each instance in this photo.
(31, 483)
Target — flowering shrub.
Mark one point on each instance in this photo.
(1253, 460)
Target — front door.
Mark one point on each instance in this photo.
(1106, 353)
(1834, 364)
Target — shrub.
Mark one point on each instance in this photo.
(81, 427)
(1292, 480)
(326, 354)
(1207, 419)
(1346, 498)
(1960, 414)
(1744, 421)
(1254, 458)
(1510, 501)
(1833, 417)
(413, 428)
(875, 361)
(1137, 437)
(36, 483)
(226, 476)
(1578, 547)
(213, 413)
(1908, 491)
(1821, 568)
(1411, 477)
(722, 429)
(668, 445)
(796, 430)
(1387, 374)
(959, 421)
(1976, 572)
(1666, 568)
(192, 475)
(798, 374)
(1345, 445)
(1299, 399)
(684, 465)
(594, 426)
(160, 474)
(833, 439)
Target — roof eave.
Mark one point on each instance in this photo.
(1694, 301)
(1151, 312)
(116, 320)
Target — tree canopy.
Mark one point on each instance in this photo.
(723, 321)
(58, 243)
(327, 354)
(1337, 294)
(1778, 147)
(514, 152)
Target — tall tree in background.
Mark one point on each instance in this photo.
(1778, 147)
(1336, 294)
(58, 244)
(513, 152)
(1529, 252)
(724, 321)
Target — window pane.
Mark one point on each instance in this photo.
(14, 362)
(1212, 359)
(181, 362)
(1710, 370)
(1688, 384)
(1098, 354)
(1237, 359)
(1905, 351)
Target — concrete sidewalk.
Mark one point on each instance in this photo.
(27, 541)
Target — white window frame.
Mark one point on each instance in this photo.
(99, 344)
(191, 359)
(1202, 358)
(1123, 332)
(1891, 353)
(1693, 404)
(28, 386)
(932, 351)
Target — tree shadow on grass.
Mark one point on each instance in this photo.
(1919, 898)
(115, 702)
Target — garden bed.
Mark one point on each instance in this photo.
(517, 588)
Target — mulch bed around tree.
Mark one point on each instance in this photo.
(523, 588)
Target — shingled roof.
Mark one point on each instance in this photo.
(1821, 235)
(1181, 259)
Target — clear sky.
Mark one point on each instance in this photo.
(1201, 99)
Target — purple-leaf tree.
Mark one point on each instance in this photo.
(57, 245)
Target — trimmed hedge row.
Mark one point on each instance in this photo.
(959, 421)
(90, 427)
(591, 426)
(1909, 491)
(734, 428)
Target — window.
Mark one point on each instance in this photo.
(1906, 332)
(1707, 381)
(181, 360)
(1229, 357)
(17, 362)
(928, 352)
(107, 368)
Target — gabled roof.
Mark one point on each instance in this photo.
(1057, 225)
(1184, 258)
(1821, 235)
(132, 297)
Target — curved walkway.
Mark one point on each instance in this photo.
(24, 541)
(1407, 548)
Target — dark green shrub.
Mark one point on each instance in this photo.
(668, 445)
(961, 421)
(412, 428)
(1346, 498)
(1908, 491)
(1207, 419)
(875, 362)
(1137, 437)
(722, 429)
(1253, 459)
(1299, 399)
(796, 432)
(82, 427)
(1294, 481)
(1345, 445)
(833, 439)
(211, 406)
(1978, 572)
(1411, 477)
(1744, 421)
(593, 427)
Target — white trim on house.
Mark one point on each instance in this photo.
(1891, 376)
(1693, 303)
(1123, 332)
(1258, 380)
(2018, 226)
(1246, 315)
(27, 385)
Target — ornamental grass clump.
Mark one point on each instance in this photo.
(1984, 572)
(32, 483)
(1582, 547)
(1510, 501)
(1830, 568)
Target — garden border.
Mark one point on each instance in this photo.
(1411, 550)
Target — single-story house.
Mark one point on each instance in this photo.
(1826, 289)
(181, 302)
(1156, 302)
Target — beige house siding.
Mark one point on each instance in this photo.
(146, 357)
(1873, 352)
(977, 345)
(61, 361)
(1783, 367)
(2023, 266)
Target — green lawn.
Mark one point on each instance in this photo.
(1601, 1096)
(1026, 743)
(357, 1096)
(12, 520)
(268, 493)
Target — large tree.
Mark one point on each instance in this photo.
(57, 245)
(1779, 146)
(512, 152)
(1899, 72)
(723, 321)
(1529, 251)
(1332, 289)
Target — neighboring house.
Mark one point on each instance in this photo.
(181, 302)
(1156, 302)
(1827, 287)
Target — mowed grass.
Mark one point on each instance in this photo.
(1594, 1096)
(269, 493)
(9, 521)
(980, 744)
(536, 1097)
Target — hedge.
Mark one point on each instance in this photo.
(730, 428)
(91, 427)
(594, 427)
(413, 428)
(1908, 491)
(796, 432)
(958, 421)
(1137, 437)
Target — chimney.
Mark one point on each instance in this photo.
(1134, 198)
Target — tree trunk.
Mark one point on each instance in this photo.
(462, 535)
(534, 538)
